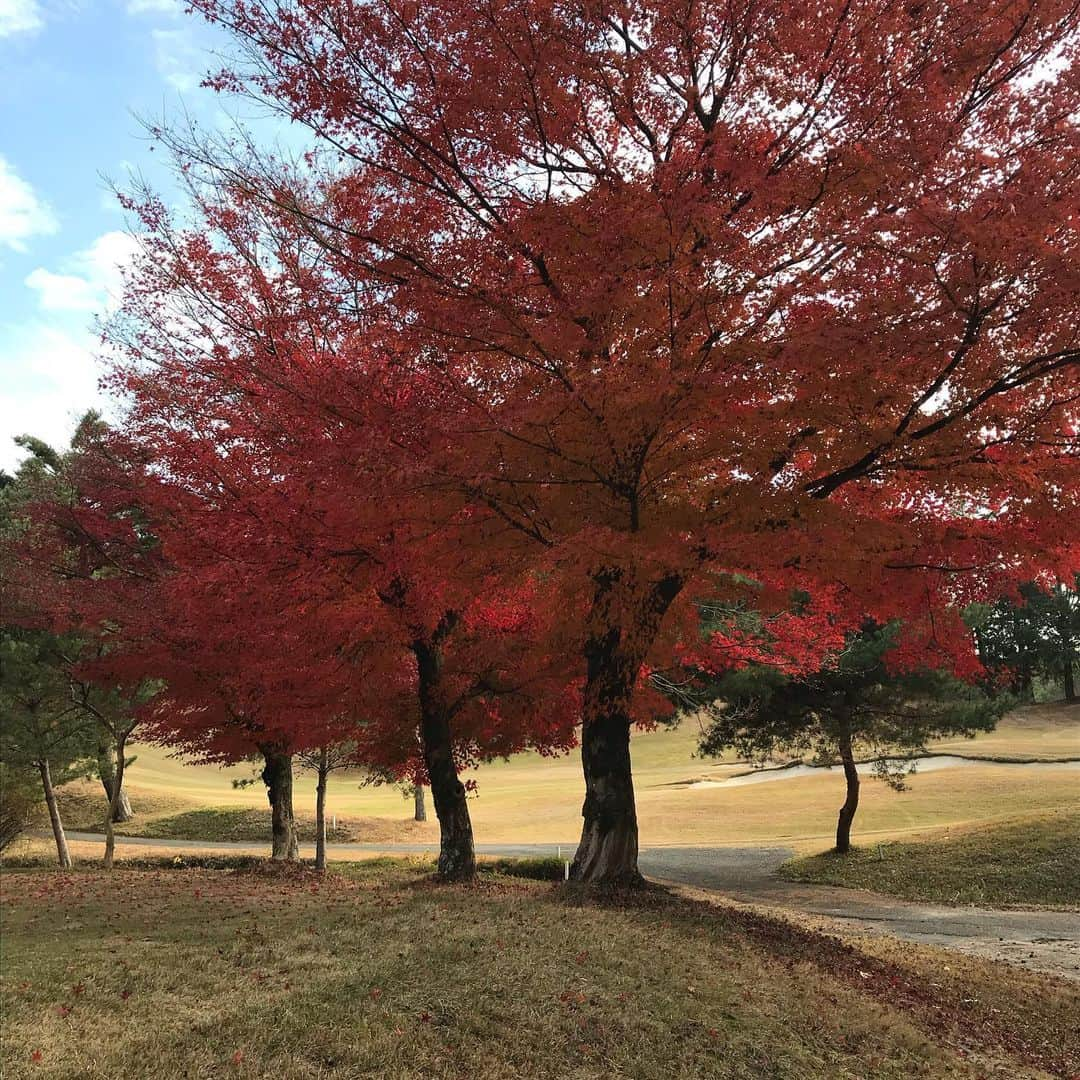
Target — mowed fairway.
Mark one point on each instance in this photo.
(534, 800)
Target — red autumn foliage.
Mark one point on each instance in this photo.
(785, 289)
(574, 317)
(311, 589)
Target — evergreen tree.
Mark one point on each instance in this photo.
(42, 727)
(60, 719)
(855, 706)
(19, 796)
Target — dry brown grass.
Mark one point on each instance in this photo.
(377, 972)
(532, 799)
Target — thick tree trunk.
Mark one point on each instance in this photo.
(457, 857)
(851, 803)
(608, 851)
(54, 815)
(320, 812)
(114, 803)
(419, 809)
(624, 626)
(107, 774)
(1070, 682)
(278, 778)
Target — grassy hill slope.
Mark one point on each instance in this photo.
(1029, 861)
(375, 971)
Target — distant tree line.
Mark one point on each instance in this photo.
(1035, 635)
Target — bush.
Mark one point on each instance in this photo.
(19, 796)
(538, 868)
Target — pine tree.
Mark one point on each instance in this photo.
(857, 707)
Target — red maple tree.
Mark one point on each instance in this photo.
(786, 292)
(319, 588)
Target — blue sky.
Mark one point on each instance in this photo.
(74, 77)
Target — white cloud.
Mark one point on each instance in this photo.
(153, 7)
(62, 292)
(22, 213)
(50, 378)
(89, 282)
(61, 358)
(180, 62)
(49, 368)
(19, 17)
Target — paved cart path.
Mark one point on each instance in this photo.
(1040, 940)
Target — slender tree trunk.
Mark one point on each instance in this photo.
(457, 856)
(54, 815)
(624, 626)
(1068, 652)
(114, 802)
(419, 809)
(107, 774)
(123, 810)
(320, 812)
(851, 803)
(1028, 687)
(110, 839)
(1070, 678)
(278, 778)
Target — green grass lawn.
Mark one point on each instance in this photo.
(374, 970)
(1032, 861)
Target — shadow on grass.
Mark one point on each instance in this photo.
(953, 1007)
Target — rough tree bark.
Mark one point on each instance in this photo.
(107, 774)
(320, 810)
(278, 778)
(1070, 682)
(419, 809)
(625, 623)
(608, 850)
(457, 857)
(54, 815)
(851, 802)
(114, 802)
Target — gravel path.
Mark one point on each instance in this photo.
(1040, 940)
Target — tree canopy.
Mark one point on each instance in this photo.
(569, 317)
